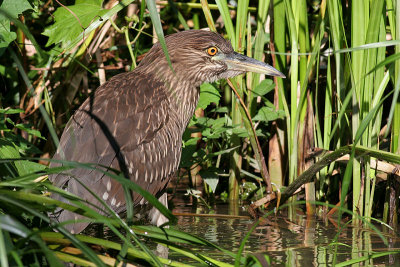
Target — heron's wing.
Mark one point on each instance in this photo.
(122, 127)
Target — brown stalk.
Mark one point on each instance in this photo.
(264, 169)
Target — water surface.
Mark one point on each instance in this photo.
(300, 242)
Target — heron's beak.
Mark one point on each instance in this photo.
(239, 62)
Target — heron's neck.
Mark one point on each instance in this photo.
(183, 97)
(183, 94)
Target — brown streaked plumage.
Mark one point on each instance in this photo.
(135, 121)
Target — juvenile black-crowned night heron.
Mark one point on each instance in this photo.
(135, 121)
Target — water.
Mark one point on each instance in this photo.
(301, 242)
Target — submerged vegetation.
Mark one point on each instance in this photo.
(327, 135)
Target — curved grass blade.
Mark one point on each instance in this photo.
(86, 250)
(80, 208)
(57, 238)
(155, 18)
(361, 259)
(68, 258)
(124, 182)
(389, 60)
(367, 46)
(3, 250)
(199, 257)
(7, 223)
(172, 235)
(127, 185)
(67, 165)
(105, 220)
(207, 14)
(224, 10)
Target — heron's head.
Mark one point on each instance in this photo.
(201, 56)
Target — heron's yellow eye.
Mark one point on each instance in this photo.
(212, 51)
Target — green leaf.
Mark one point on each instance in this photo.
(13, 8)
(221, 152)
(6, 36)
(211, 178)
(188, 150)
(10, 111)
(264, 87)
(208, 94)
(8, 150)
(29, 130)
(213, 128)
(71, 22)
(268, 114)
(25, 127)
(241, 132)
(221, 110)
(25, 167)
